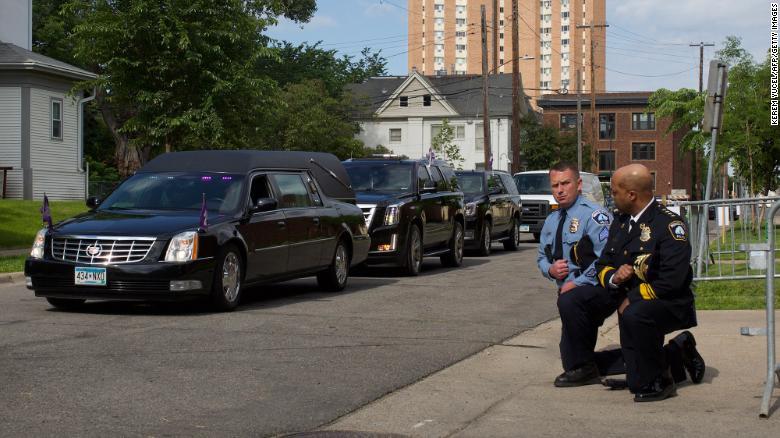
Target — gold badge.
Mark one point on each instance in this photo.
(644, 232)
(574, 225)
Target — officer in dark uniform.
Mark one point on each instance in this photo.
(647, 260)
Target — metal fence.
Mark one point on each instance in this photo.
(737, 242)
(101, 189)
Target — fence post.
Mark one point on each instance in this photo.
(772, 367)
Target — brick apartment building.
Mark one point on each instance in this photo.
(445, 38)
(627, 133)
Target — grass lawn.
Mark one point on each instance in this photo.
(20, 220)
(12, 264)
(733, 295)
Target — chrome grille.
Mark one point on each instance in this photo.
(535, 209)
(368, 212)
(101, 250)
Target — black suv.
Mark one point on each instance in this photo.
(413, 209)
(493, 209)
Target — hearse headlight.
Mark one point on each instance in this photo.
(38, 244)
(183, 247)
(471, 209)
(392, 213)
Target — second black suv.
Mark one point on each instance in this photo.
(413, 209)
(493, 210)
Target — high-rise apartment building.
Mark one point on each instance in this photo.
(445, 38)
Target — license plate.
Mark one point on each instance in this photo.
(524, 228)
(90, 276)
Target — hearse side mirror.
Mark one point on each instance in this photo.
(93, 202)
(494, 191)
(428, 187)
(264, 204)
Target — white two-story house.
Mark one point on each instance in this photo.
(404, 113)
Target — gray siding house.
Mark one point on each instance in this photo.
(39, 125)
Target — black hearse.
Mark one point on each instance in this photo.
(413, 209)
(267, 216)
(493, 209)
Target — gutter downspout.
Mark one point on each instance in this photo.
(80, 134)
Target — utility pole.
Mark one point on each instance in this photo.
(516, 164)
(495, 37)
(485, 107)
(696, 157)
(579, 119)
(593, 141)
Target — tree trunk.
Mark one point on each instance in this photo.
(127, 158)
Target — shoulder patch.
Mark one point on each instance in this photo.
(678, 231)
(600, 217)
(603, 234)
(591, 272)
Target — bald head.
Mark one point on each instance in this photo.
(632, 188)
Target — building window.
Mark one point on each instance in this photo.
(439, 47)
(439, 34)
(565, 28)
(479, 137)
(500, 22)
(460, 47)
(460, 34)
(643, 121)
(607, 126)
(545, 85)
(460, 21)
(403, 101)
(607, 161)
(501, 35)
(565, 15)
(56, 119)
(395, 135)
(565, 84)
(564, 41)
(458, 131)
(643, 151)
(500, 48)
(427, 100)
(568, 121)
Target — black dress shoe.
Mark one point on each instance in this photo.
(661, 388)
(615, 384)
(692, 360)
(587, 374)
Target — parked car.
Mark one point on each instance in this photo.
(538, 201)
(412, 208)
(270, 216)
(493, 209)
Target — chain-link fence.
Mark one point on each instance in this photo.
(101, 189)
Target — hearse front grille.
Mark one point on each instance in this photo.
(100, 250)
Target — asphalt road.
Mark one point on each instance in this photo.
(290, 359)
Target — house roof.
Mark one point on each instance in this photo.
(636, 98)
(462, 92)
(13, 57)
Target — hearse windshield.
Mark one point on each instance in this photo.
(177, 191)
(533, 184)
(471, 183)
(380, 177)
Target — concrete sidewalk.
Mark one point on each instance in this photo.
(507, 391)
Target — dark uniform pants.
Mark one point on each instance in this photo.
(643, 326)
(583, 310)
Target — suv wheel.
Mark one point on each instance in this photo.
(335, 278)
(454, 257)
(226, 291)
(513, 242)
(414, 252)
(486, 241)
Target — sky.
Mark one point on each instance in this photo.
(647, 41)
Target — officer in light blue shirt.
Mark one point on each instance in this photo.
(578, 226)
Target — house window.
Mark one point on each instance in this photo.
(395, 135)
(607, 126)
(479, 137)
(427, 100)
(643, 151)
(404, 100)
(607, 161)
(56, 119)
(568, 121)
(458, 131)
(643, 121)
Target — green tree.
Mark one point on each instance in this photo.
(178, 74)
(444, 147)
(543, 146)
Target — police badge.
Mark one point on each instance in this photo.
(644, 232)
(574, 225)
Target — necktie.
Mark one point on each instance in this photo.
(631, 225)
(558, 250)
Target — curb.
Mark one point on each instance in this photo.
(12, 277)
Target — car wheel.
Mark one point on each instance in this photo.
(536, 236)
(486, 241)
(513, 242)
(335, 278)
(454, 257)
(226, 290)
(65, 303)
(414, 252)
